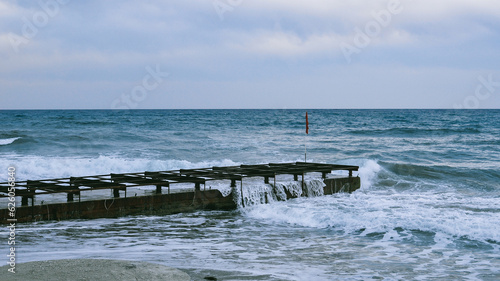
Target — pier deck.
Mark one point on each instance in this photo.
(170, 203)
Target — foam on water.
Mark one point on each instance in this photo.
(256, 193)
(368, 171)
(403, 235)
(8, 141)
(259, 247)
(456, 216)
(35, 167)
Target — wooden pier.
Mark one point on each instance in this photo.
(161, 201)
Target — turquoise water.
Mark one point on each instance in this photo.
(428, 207)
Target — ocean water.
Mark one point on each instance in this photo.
(428, 208)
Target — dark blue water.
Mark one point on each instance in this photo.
(429, 206)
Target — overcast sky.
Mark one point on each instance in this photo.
(69, 54)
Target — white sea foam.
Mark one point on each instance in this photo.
(453, 215)
(8, 141)
(380, 212)
(368, 172)
(256, 192)
(35, 167)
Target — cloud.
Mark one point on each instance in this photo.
(109, 43)
(422, 10)
(449, 9)
(272, 28)
(9, 10)
(284, 44)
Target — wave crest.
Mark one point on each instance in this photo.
(8, 141)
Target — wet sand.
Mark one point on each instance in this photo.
(92, 269)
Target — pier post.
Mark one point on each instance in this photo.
(197, 186)
(266, 180)
(116, 192)
(31, 194)
(24, 201)
(233, 183)
(70, 194)
(350, 173)
(295, 177)
(242, 198)
(158, 189)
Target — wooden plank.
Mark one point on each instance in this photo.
(138, 180)
(81, 181)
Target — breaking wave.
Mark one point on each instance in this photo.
(8, 141)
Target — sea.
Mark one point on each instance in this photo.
(428, 207)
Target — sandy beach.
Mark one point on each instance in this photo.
(92, 269)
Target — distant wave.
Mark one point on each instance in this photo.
(38, 167)
(414, 131)
(8, 141)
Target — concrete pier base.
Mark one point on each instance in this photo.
(342, 184)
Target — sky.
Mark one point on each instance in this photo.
(69, 54)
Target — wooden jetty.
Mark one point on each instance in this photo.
(158, 202)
